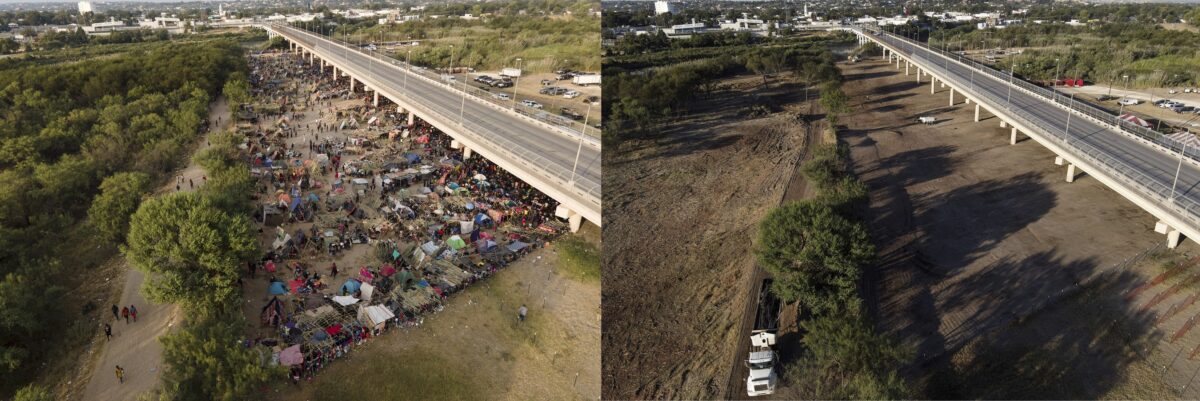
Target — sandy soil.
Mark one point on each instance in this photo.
(135, 346)
(675, 291)
(554, 355)
(1005, 279)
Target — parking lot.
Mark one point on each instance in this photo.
(579, 105)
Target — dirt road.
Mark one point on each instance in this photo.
(135, 346)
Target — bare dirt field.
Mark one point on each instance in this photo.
(1008, 281)
(476, 348)
(678, 257)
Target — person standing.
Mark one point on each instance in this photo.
(133, 312)
(125, 314)
(521, 313)
(120, 375)
(115, 313)
(107, 332)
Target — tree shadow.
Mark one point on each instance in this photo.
(870, 75)
(890, 98)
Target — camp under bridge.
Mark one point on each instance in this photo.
(559, 159)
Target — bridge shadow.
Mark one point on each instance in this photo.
(870, 75)
(963, 225)
(1033, 328)
(889, 98)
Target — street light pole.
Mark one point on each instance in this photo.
(517, 83)
(1177, 169)
(1054, 85)
(408, 66)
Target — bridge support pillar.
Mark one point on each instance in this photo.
(466, 153)
(1070, 172)
(1173, 238)
(897, 62)
(918, 75)
(951, 96)
(411, 119)
(574, 219)
(906, 65)
(376, 102)
(1004, 124)
(335, 74)
(1058, 160)
(932, 85)
(1012, 139)
(351, 84)
(976, 112)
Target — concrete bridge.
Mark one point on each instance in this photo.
(562, 163)
(1154, 172)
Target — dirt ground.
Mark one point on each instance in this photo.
(476, 348)
(678, 260)
(1008, 281)
(135, 346)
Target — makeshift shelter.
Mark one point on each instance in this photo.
(516, 246)
(345, 300)
(273, 313)
(351, 286)
(277, 288)
(291, 356)
(412, 158)
(367, 291)
(455, 242)
(375, 316)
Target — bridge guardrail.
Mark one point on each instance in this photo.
(1122, 126)
(581, 185)
(1132, 177)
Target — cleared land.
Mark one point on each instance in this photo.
(1008, 281)
(678, 257)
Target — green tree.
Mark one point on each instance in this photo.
(834, 101)
(191, 247)
(33, 393)
(237, 91)
(846, 360)
(207, 362)
(120, 195)
(815, 255)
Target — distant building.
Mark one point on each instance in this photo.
(665, 7)
(685, 30)
(171, 24)
(85, 7)
(105, 28)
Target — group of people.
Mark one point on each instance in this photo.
(119, 312)
(439, 204)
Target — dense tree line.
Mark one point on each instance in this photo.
(637, 99)
(80, 139)
(192, 246)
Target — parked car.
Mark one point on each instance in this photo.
(547, 82)
(1105, 98)
(502, 83)
(591, 99)
(501, 96)
(1179, 108)
(569, 112)
(1129, 101)
(530, 103)
(571, 94)
(564, 77)
(1161, 102)
(483, 78)
(1172, 91)
(927, 120)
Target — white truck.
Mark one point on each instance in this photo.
(763, 378)
(510, 72)
(586, 79)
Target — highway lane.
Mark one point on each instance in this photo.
(557, 149)
(1158, 166)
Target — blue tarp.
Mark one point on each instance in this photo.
(412, 157)
(351, 286)
(295, 202)
(277, 288)
(480, 218)
(487, 245)
(517, 245)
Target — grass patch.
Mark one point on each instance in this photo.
(414, 375)
(579, 258)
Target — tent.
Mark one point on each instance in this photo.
(1135, 120)
(296, 284)
(273, 312)
(466, 226)
(351, 286)
(277, 288)
(455, 242)
(291, 356)
(403, 278)
(387, 270)
(517, 246)
(429, 248)
(487, 245)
